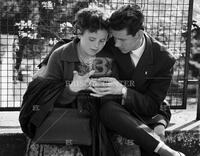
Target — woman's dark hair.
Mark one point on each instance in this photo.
(128, 17)
(91, 19)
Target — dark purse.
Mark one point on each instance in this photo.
(65, 126)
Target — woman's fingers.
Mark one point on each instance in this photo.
(89, 74)
(75, 73)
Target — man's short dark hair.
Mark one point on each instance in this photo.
(128, 17)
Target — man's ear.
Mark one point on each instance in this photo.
(140, 34)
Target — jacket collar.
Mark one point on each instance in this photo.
(69, 52)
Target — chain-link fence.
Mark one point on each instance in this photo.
(30, 28)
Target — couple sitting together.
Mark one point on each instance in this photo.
(125, 70)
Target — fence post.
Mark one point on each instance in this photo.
(198, 102)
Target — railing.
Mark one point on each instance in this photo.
(165, 20)
(198, 103)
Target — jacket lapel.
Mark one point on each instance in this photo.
(126, 67)
(144, 67)
(69, 58)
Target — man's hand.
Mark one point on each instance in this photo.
(160, 131)
(80, 82)
(105, 86)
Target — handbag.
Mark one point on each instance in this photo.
(65, 126)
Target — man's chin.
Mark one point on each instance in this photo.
(124, 51)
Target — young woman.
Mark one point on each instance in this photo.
(76, 62)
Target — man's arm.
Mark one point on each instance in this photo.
(150, 102)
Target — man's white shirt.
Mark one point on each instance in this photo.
(136, 54)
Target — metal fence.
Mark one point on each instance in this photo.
(30, 28)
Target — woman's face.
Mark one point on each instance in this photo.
(93, 42)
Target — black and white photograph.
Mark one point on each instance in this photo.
(99, 77)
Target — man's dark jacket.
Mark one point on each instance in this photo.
(148, 81)
(38, 101)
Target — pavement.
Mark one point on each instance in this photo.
(184, 119)
(9, 122)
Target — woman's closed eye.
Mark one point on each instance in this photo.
(102, 41)
(92, 39)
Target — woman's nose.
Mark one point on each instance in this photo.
(96, 45)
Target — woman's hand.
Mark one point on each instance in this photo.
(80, 82)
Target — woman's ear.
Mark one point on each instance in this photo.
(78, 32)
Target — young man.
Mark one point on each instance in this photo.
(145, 73)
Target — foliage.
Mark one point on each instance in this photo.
(43, 20)
(50, 20)
(27, 29)
(194, 62)
(187, 140)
